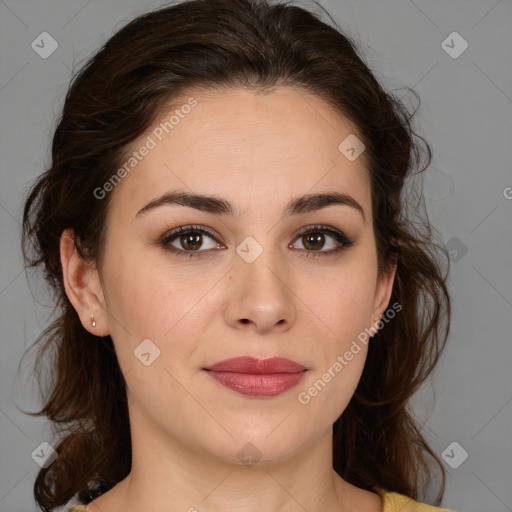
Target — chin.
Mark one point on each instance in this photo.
(262, 444)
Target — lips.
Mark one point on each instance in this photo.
(248, 364)
(257, 377)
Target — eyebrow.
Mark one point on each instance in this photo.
(218, 206)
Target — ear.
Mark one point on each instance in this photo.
(383, 292)
(83, 286)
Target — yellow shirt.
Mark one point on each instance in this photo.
(392, 502)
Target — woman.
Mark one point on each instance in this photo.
(246, 305)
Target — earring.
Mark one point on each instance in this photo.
(93, 322)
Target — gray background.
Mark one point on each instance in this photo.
(466, 114)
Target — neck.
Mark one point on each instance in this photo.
(167, 475)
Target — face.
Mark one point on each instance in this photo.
(246, 282)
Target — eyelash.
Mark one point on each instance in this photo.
(339, 236)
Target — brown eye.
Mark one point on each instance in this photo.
(313, 242)
(322, 241)
(190, 241)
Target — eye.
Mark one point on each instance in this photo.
(316, 238)
(187, 240)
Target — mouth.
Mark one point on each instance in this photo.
(257, 377)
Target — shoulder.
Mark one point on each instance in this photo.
(395, 502)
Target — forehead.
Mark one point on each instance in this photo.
(245, 146)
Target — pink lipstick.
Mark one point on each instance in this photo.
(257, 377)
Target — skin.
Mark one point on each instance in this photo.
(257, 151)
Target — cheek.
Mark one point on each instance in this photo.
(145, 297)
(343, 307)
(339, 354)
(154, 302)
(343, 303)
(338, 364)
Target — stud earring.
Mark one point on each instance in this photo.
(93, 322)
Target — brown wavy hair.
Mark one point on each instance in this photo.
(114, 98)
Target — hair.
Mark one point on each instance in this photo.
(113, 99)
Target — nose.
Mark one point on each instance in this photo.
(261, 296)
